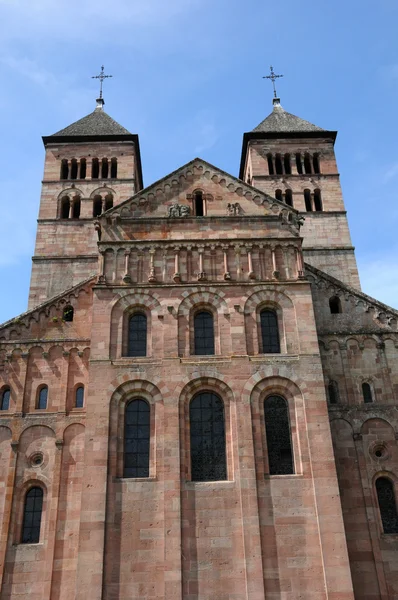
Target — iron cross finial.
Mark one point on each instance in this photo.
(273, 77)
(101, 77)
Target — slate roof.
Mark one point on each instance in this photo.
(97, 123)
(280, 121)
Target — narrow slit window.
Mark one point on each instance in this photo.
(73, 169)
(108, 202)
(207, 437)
(279, 441)
(204, 333)
(5, 399)
(335, 305)
(299, 164)
(95, 168)
(136, 439)
(278, 165)
(199, 204)
(79, 397)
(317, 200)
(287, 164)
(64, 169)
(137, 335)
(333, 392)
(316, 164)
(104, 168)
(307, 164)
(76, 208)
(68, 313)
(65, 207)
(42, 398)
(307, 200)
(83, 168)
(270, 164)
(114, 168)
(367, 393)
(32, 516)
(387, 505)
(97, 206)
(269, 332)
(278, 195)
(289, 197)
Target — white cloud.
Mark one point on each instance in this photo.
(379, 278)
(391, 173)
(29, 69)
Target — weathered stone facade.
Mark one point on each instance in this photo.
(199, 239)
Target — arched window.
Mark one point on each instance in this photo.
(32, 516)
(65, 203)
(367, 393)
(279, 441)
(64, 169)
(278, 195)
(42, 397)
(136, 439)
(387, 504)
(307, 164)
(315, 162)
(317, 200)
(278, 165)
(76, 208)
(335, 305)
(108, 202)
(269, 332)
(199, 204)
(114, 168)
(333, 392)
(289, 197)
(287, 165)
(207, 434)
(299, 164)
(97, 206)
(204, 333)
(68, 313)
(307, 200)
(73, 169)
(104, 168)
(95, 168)
(137, 335)
(270, 164)
(79, 397)
(83, 168)
(5, 399)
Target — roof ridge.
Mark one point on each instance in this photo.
(280, 120)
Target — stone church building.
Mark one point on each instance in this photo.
(200, 403)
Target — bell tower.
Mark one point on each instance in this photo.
(90, 166)
(294, 161)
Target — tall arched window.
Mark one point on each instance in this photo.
(287, 165)
(387, 504)
(278, 165)
(289, 197)
(315, 162)
(76, 208)
(269, 332)
(68, 313)
(367, 393)
(32, 516)
(333, 392)
(299, 164)
(335, 305)
(42, 397)
(114, 168)
(307, 200)
(270, 164)
(79, 397)
(199, 204)
(317, 200)
(5, 399)
(278, 195)
(108, 202)
(137, 335)
(95, 168)
(136, 439)
(307, 164)
(73, 169)
(279, 441)
(64, 169)
(97, 206)
(104, 168)
(204, 333)
(65, 204)
(83, 168)
(207, 434)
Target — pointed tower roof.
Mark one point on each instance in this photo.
(281, 121)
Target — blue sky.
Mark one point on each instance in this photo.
(187, 77)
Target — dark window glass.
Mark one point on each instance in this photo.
(315, 161)
(104, 168)
(73, 169)
(95, 168)
(270, 164)
(307, 200)
(199, 204)
(43, 395)
(288, 168)
(335, 305)
(367, 393)
(299, 164)
(79, 400)
(278, 195)
(307, 164)
(65, 208)
(83, 168)
(136, 439)
(207, 434)
(64, 169)
(279, 443)
(333, 392)
(97, 207)
(204, 333)
(68, 313)
(289, 197)
(137, 335)
(114, 168)
(387, 504)
(5, 399)
(278, 165)
(76, 208)
(32, 516)
(108, 202)
(269, 331)
(317, 200)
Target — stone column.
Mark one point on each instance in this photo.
(275, 272)
(299, 263)
(227, 274)
(250, 262)
(126, 276)
(152, 277)
(101, 267)
(201, 274)
(176, 276)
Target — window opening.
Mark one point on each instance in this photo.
(114, 168)
(335, 305)
(278, 165)
(289, 197)
(108, 202)
(65, 206)
(64, 169)
(76, 208)
(83, 168)
(79, 397)
(43, 396)
(136, 439)
(95, 168)
(317, 200)
(315, 162)
(287, 165)
(73, 169)
(204, 333)
(269, 332)
(367, 393)
(68, 313)
(307, 200)
(97, 206)
(278, 195)
(333, 392)
(387, 504)
(207, 435)
(5, 399)
(307, 164)
(137, 335)
(270, 164)
(32, 516)
(299, 164)
(104, 168)
(199, 204)
(279, 443)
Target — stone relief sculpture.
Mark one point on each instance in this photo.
(233, 209)
(179, 210)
